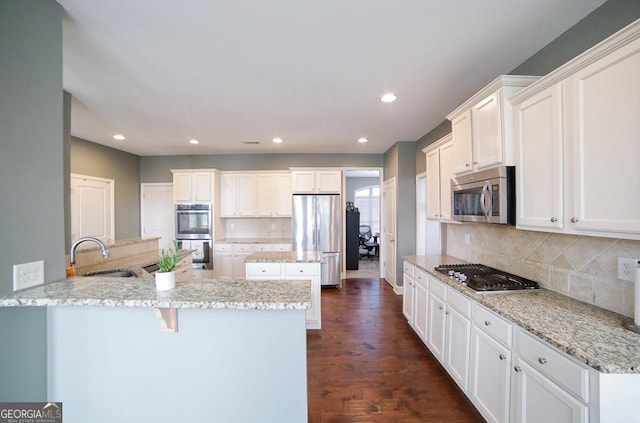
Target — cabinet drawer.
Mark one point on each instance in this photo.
(437, 288)
(408, 268)
(224, 247)
(421, 278)
(243, 247)
(459, 303)
(493, 324)
(262, 247)
(554, 364)
(263, 269)
(281, 247)
(301, 269)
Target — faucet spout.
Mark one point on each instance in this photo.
(72, 255)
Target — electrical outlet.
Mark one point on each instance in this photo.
(626, 268)
(26, 275)
(467, 239)
(273, 226)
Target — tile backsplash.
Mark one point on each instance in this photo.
(257, 228)
(581, 267)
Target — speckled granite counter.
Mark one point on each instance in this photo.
(141, 292)
(284, 257)
(254, 241)
(590, 334)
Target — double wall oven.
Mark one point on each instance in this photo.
(194, 231)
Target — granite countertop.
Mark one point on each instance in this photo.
(141, 292)
(284, 257)
(588, 333)
(254, 241)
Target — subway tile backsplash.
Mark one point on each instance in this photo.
(581, 267)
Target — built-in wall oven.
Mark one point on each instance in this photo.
(194, 231)
(486, 196)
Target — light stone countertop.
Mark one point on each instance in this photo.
(284, 257)
(254, 241)
(588, 333)
(141, 292)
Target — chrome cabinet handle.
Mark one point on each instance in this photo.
(487, 323)
(446, 312)
(542, 360)
(475, 162)
(502, 357)
(440, 307)
(517, 369)
(467, 164)
(574, 220)
(554, 219)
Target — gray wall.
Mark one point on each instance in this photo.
(91, 159)
(31, 182)
(157, 168)
(595, 27)
(354, 183)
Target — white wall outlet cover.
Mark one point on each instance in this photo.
(26, 275)
(627, 268)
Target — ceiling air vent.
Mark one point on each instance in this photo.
(251, 142)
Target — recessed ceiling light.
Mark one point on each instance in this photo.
(277, 140)
(194, 142)
(119, 137)
(388, 98)
(362, 140)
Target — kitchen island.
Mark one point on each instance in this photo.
(208, 350)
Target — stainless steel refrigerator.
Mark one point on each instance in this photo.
(316, 226)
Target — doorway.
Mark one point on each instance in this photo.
(92, 208)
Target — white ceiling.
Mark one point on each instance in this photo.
(311, 72)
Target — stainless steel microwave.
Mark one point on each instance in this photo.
(487, 196)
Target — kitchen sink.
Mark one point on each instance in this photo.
(117, 273)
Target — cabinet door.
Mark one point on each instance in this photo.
(490, 377)
(605, 99)
(228, 196)
(433, 184)
(328, 181)
(201, 186)
(457, 351)
(223, 264)
(303, 181)
(461, 130)
(283, 193)
(446, 173)
(436, 331)
(407, 297)
(309, 271)
(247, 195)
(266, 195)
(182, 187)
(537, 399)
(487, 132)
(239, 268)
(539, 137)
(421, 305)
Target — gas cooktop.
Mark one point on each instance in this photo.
(486, 279)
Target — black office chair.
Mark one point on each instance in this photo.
(366, 245)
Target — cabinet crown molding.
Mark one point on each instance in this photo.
(619, 39)
(500, 82)
(192, 170)
(439, 143)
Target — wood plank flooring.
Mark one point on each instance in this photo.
(367, 365)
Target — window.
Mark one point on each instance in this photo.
(367, 200)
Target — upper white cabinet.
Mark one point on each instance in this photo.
(238, 195)
(577, 134)
(439, 173)
(316, 181)
(192, 186)
(481, 127)
(274, 194)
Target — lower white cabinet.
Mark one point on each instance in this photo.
(292, 271)
(421, 304)
(458, 338)
(408, 292)
(229, 257)
(437, 321)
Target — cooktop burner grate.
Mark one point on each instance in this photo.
(486, 279)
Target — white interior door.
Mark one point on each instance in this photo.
(157, 213)
(389, 231)
(92, 211)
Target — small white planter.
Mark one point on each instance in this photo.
(165, 280)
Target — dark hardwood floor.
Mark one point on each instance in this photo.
(367, 365)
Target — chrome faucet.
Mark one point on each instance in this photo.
(72, 258)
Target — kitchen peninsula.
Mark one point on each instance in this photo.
(238, 352)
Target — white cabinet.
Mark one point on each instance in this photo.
(481, 127)
(229, 260)
(576, 131)
(316, 181)
(238, 195)
(437, 322)
(192, 186)
(421, 304)
(439, 173)
(408, 292)
(274, 194)
(458, 338)
(293, 271)
(490, 365)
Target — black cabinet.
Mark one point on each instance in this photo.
(353, 240)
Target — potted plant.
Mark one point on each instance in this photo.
(166, 275)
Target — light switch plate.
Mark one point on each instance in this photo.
(26, 275)
(627, 268)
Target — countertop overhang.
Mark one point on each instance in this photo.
(284, 257)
